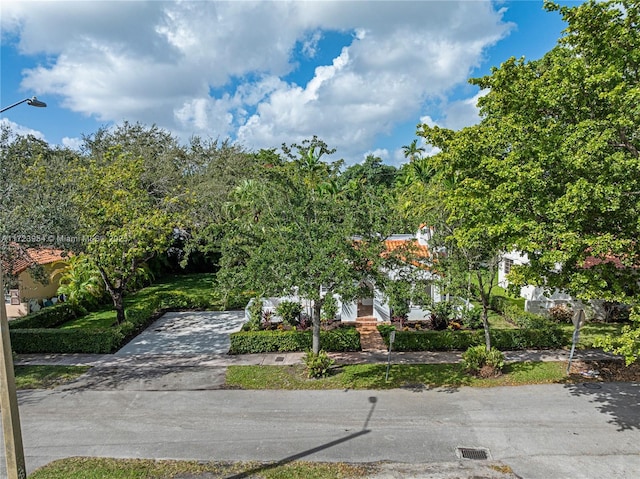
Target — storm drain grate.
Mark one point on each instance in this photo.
(476, 453)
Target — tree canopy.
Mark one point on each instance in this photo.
(553, 168)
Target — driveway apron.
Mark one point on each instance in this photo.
(186, 333)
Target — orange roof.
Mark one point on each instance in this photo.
(418, 249)
(29, 257)
(412, 247)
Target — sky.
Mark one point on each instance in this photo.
(361, 75)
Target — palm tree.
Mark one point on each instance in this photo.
(81, 282)
(413, 151)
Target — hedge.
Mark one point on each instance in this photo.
(46, 340)
(248, 342)
(49, 317)
(504, 339)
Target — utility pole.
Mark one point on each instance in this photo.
(14, 450)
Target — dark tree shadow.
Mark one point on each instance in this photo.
(618, 400)
(295, 457)
(158, 378)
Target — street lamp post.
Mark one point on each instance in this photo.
(14, 450)
(33, 101)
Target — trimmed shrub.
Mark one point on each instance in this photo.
(49, 317)
(524, 319)
(249, 342)
(41, 340)
(503, 339)
(478, 360)
(318, 365)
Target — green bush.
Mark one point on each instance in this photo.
(250, 342)
(498, 303)
(41, 340)
(289, 311)
(524, 319)
(49, 317)
(318, 365)
(475, 358)
(472, 318)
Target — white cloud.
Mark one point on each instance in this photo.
(460, 114)
(158, 62)
(72, 143)
(20, 130)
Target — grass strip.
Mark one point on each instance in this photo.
(107, 468)
(372, 376)
(46, 377)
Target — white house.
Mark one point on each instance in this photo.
(376, 305)
(540, 300)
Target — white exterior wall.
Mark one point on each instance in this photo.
(348, 311)
(381, 309)
(514, 256)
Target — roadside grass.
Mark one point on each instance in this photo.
(372, 376)
(46, 377)
(107, 468)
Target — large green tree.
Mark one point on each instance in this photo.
(35, 199)
(467, 199)
(122, 223)
(296, 230)
(556, 157)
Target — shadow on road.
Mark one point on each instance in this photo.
(620, 401)
(295, 457)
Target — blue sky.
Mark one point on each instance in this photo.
(359, 74)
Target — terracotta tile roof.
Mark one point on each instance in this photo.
(413, 248)
(422, 251)
(29, 257)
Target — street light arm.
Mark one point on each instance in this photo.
(33, 101)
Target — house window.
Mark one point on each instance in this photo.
(508, 263)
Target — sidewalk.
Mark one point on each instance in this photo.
(282, 359)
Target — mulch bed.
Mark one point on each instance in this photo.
(606, 370)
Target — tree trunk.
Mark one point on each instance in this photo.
(485, 311)
(117, 296)
(118, 305)
(485, 324)
(317, 306)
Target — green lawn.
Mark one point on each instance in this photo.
(195, 285)
(46, 377)
(591, 331)
(372, 376)
(106, 468)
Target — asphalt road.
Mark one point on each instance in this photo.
(545, 431)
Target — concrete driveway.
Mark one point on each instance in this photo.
(187, 333)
